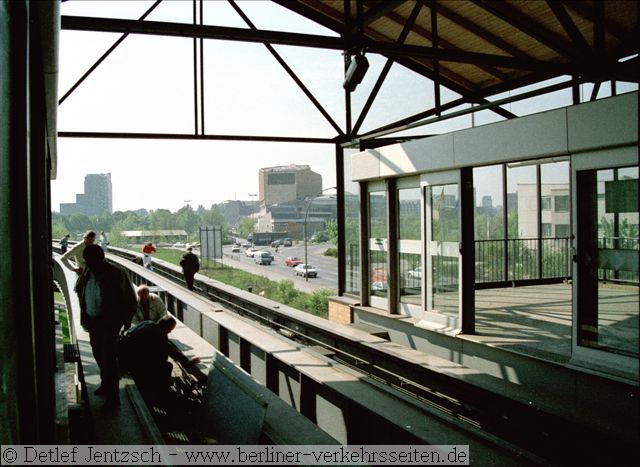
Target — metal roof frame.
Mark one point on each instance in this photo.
(559, 30)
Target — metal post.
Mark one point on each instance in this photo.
(306, 213)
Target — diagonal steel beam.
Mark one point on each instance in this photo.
(474, 28)
(387, 67)
(569, 26)
(459, 113)
(520, 21)
(105, 55)
(289, 71)
(380, 10)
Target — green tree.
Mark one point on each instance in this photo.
(162, 219)
(247, 226)
(332, 231)
(286, 292)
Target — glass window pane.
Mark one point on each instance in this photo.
(378, 243)
(489, 223)
(556, 247)
(409, 234)
(561, 203)
(443, 248)
(351, 228)
(522, 218)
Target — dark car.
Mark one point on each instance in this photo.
(276, 243)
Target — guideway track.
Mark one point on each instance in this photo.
(519, 422)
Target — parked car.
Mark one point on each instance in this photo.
(287, 242)
(305, 270)
(416, 273)
(235, 249)
(262, 257)
(378, 275)
(292, 261)
(379, 286)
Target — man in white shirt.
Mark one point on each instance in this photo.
(150, 306)
(78, 265)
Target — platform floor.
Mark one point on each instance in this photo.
(537, 320)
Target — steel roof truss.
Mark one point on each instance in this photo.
(289, 71)
(385, 70)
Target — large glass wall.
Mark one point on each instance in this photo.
(522, 292)
(409, 244)
(378, 247)
(608, 261)
(351, 227)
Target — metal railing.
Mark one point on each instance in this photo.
(522, 259)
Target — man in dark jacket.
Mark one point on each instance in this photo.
(107, 303)
(190, 265)
(144, 350)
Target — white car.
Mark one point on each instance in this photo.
(249, 252)
(416, 273)
(235, 249)
(305, 270)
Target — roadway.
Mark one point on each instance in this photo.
(327, 266)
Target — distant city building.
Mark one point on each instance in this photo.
(290, 217)
(96, 199)
(287, 183)
(160, 237)
(555, 215)
(234, 210)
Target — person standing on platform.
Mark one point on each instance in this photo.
(76, 253)
(147, 251)
(64, 244)
(190, 265)
(107, 304)
(150, 306)
(104, 241)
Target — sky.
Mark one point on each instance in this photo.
(146, 85)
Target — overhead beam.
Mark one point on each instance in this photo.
(77, 23)
(187, 136)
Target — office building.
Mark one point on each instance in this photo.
(96, 199)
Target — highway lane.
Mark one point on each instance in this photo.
(327, 266)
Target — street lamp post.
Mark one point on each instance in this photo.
(252, 215)
(306, 213)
